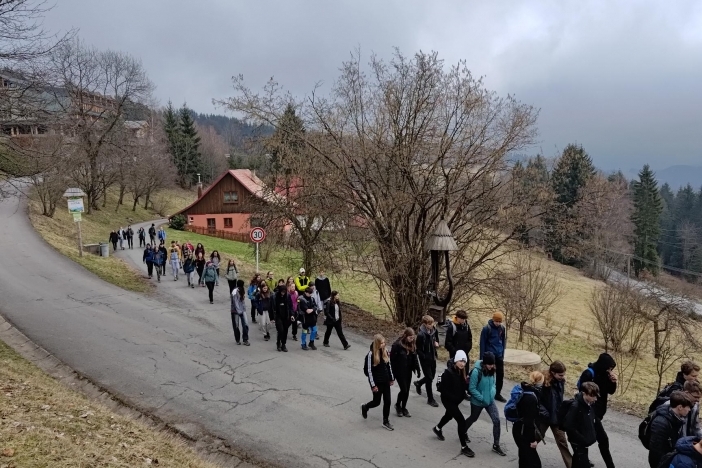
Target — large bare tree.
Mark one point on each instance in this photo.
(405, 143)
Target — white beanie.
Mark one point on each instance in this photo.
(460, 356)
(302, 270)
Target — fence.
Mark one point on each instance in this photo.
(235, 236)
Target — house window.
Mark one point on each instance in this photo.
(211, 224)
(231, 197)
(192, 220)
(228, 223)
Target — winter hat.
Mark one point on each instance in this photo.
(498, 317)
(489, 359)
(302, 271)
(460, 356)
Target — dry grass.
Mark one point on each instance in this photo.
(43, 424)
(61, 233)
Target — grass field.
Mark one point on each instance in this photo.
(42, 423)
(61, 233)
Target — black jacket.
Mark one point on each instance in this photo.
(307, 302)
(665, 432)
(265, 305)
(579, 423)
(528, 410)
(323, 287)
(380, 374)
(281, 307)
(425, 343)
(403, 362)
(461, 339)
(551, 398)
(114, 237)
(453, 386)
(330, 313)
(607, 387)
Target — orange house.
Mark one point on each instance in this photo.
(222, 210)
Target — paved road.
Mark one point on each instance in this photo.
(174, 354)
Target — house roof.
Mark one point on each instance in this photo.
(135, 124)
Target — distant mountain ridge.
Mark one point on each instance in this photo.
(680, 176)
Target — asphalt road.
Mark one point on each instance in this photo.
(174, 354)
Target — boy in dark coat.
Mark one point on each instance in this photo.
(666, 426)
(427, 344)
(602, 373)
(283, 317)
(579, 423)
(493, 339)
(458, 335)
(688, 453)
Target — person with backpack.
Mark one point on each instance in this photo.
(164, 258)
(301, 282)
(231, 274)
(525, 431)
(161, 234)
(493, 339)
(238, 312)
(458, 335)
(114, 238)
(427, 344)
(403, 357)
(282, 316)
(152, 234)
(130, 237)
(323, 287)
(252, 294)
(200, 263)
(189, 268)
(453, 392)
(550, 399)
(148, 259)
(216, 260)
(691, 425)
(307, 310)
(689, 372)
(209, 277)
(577, 418)
(294, 297)
(265, 314)
(481, 386)
(378, 369)
(602, 373)
(142, 237)
(660, 431)
(159, 260)
(687, 454)
(333, 320)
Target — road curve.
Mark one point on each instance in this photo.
(173, 354)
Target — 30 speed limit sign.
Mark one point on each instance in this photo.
(257, 235)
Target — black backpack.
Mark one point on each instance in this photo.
(563, 412)
(365, 365)
(663, 396)
(645, 430)
(667, 459)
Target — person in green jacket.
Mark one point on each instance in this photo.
(482, 389)
(301, 282)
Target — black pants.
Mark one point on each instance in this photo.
(429, 371)
(199, 275)
(253, 311)
(114, 246)
(528, 457)
(152, 239)
(603, 444)
(499, 374)
(339, 332)
(454, 412)
(210, 288)
(404, 381)
(581, 459)
(294, 327)
(142, 242)
(282, 327)
(150, 268)
(384, 393)
(130, 242)
(232, 285)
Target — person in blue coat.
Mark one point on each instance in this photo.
(493, 339)
(688, 453)
(481, 386)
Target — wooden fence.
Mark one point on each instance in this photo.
(235, 236)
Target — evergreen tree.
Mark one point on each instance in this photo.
(287, 142)
(170, 126)
(646, 218)
(563, 230)
(189, 161)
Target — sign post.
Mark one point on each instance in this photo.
(257, 236)
(75, 207)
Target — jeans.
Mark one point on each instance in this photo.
(240, 325)
(264, 322)
(191, 278)
(210, 289)
(494, 414)
(281, 327)
(499, 374)
(603, 444)
(339, 332)
(312, 331)
(561, 441)
(429, 371)
(175, 266)
(384, 393)
(528, 457)
(454, 412)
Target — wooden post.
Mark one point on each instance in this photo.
(80, 240)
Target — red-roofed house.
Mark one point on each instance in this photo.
(223, 209)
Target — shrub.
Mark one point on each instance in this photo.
(177, 222)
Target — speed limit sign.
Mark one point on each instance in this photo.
(257, 235)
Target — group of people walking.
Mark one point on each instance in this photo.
(122, 235)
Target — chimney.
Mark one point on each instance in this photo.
(199, 187)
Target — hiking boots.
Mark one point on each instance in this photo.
(418, 387)
(312, 346)
(305, 348)
(388, 426)
(439, 433)
(498, 450)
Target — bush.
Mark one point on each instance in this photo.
(177, 222)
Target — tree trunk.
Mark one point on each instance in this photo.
(122, 189)
(521, 331)
(136, 201)
(146, 201)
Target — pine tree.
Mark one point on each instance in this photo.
(170, 126)
(646, 217)
(287, 142)
(189, 161)
(563, 233)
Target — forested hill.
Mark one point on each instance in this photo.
(232, 130)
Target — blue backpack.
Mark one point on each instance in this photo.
(511, 413)
(592, 371)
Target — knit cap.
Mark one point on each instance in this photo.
(460, 356)
(489, 359)
(498, 317)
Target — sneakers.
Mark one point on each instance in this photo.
(399, 411)
(418, 387)
(294, 337)
(500, 398)
(239, 343)
(388, 426)
(406, 413)
(267, 337)
(364, 411)
(211, 302)
(347, 347)
(312, 346)
(326, 345)
(278, 347)
(498, 450)
(246, 343)
(284, 349)
(305, 348)
(439, 433)
(467, 452)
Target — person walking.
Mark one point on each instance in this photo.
(199, 249)
(579, 423)
(161, 235)
(481, 386)
(307, 308)
(550, 399)
(282, 316)
(453, 392)
(493, 339)
(263, 301)
(216, 259)
(301, 282)
(159, 261)
(427, 344)
(209, 276)
(148, 259)
(691, 425)
(239, 317)
(164, 258)
(175, 260)
(114, 238)
(252, 293)
(404, 361)
(333, 320)
(525, 432)
(319, 309)
(200, 263)
(130, 237)
(378, 369)
(688, 453)
(120, 236)
(270, 280)
(666, 426)
(458, 335)
(294, 296)
(142, 237)
(189, 269)
(689, 372)
(323, 287)
(231, 274)
(152, 234)
(602, 373)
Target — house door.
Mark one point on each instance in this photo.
(211, 225)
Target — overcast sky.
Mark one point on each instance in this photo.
(624, 79)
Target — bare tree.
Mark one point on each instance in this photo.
(403, 146)
(213, 150)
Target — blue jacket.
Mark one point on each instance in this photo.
(481, 393)
(493, 339)
(687, 456)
